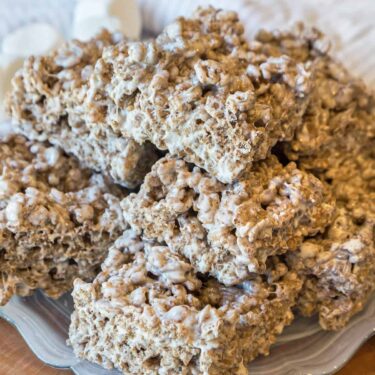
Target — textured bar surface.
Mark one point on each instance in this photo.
(340, 117)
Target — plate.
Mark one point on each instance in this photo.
(303, 348)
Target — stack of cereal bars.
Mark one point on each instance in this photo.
(252, 174)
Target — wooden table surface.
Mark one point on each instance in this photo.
(17, 359)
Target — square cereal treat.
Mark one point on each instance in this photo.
(229, 230)
(340, 116)
(57, 220)
(148, 312)
(336, 142)
(201, 93)
(46, 103)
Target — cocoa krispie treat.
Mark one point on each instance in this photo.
(339, 266)
(200, 92)
(148, 312)
(229, 230)
(336, 142)
(46, 103)
(340, 117)
(57, 220)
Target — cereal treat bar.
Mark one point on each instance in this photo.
(199, 91)
(340, 117)
(339, 266)
(56, 219)
(148, 312)
(337, 143)
(229, 231)
(46, 103)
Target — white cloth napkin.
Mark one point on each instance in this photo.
(350, 24)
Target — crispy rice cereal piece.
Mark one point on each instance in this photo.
(56, 220)
(46, 104)
(339, 266)
(147, 312)
(229, 231)
(199, 92)
(340, 116)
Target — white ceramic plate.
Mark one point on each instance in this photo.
(302, 349)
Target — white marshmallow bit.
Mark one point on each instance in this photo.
(32, 39)
(90, 16)
(86, 9)
(88, 28)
